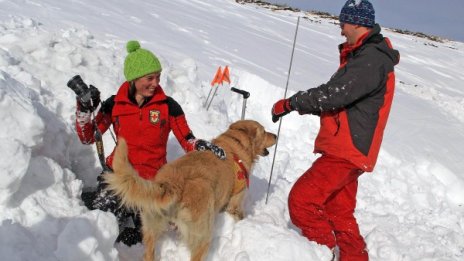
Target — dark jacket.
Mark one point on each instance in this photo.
(146, 129)
(355, 103)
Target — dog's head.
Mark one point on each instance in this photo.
(260, 139)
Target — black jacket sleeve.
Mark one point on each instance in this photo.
(361, 76)
(178, 121)
(107, 105)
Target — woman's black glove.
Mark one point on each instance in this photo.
(202, 145)
(89, 99)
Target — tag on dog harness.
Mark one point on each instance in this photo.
(241, 176)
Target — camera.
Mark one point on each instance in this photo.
(77, 85)
(80, 89)
(89, 98)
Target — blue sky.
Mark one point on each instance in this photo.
(441, 18)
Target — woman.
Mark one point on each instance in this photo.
(144, 116)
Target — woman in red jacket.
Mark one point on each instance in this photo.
(144, 116)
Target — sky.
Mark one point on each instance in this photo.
(410, 208)
(440, 18)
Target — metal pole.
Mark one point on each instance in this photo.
(243, 109)
(245, 96)
(214, 94)
(209, 94)
(285, 96)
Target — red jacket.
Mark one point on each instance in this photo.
(146, 129)
(354, 104)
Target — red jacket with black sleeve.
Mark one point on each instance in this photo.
(355, 103)
(146, 129)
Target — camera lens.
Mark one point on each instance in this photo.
(77, 85)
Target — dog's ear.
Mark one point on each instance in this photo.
(251, 128)
(238, 125)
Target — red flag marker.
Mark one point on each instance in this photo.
(218, 77)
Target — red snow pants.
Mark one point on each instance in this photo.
(322, 202)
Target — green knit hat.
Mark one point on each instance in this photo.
(139, 62)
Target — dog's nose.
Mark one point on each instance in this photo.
(265, 152)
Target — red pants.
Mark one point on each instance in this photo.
(322, 203)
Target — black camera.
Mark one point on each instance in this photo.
(80, 88)
(89, 98)
(77, 85)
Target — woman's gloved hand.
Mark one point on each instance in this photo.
(203, 145)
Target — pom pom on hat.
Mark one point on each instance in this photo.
(359, 12)
(139, 62)
(132, 46)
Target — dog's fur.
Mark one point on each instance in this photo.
(191, 190)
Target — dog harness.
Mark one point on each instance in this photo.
(242, 179)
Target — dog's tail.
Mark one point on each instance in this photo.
(134, 191)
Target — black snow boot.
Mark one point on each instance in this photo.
(130, 236)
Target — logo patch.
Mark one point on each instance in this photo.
(154, 116)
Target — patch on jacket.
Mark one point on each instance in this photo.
(154, 116)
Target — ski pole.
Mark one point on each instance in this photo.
(111, 132)
(285, 96)
(100, 150)
(245, 95)
(99, 143)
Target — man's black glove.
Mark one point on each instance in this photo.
(89, 99)
(280, 109)
(202, 145)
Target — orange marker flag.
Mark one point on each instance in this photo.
(218, 77)
(225, 75)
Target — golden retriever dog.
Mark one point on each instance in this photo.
(190, 191)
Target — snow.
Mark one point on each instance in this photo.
(409, 208)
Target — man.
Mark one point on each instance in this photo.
(353, 107)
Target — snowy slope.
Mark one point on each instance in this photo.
(410, 208)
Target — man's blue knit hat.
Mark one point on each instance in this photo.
(360, 12)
